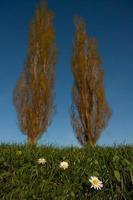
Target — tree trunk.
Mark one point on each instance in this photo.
(31, 141)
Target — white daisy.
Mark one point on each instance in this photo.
(95, 183)
(41, 161)
(64, 165)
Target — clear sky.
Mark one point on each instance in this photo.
(111, 22)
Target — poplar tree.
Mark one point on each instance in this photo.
(34, 91)
(89, 111)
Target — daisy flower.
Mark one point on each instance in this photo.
(18, 152)
(64, 165)
(95, 183)
(41, 161)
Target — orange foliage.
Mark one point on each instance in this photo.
(90, 111)
(33, 95)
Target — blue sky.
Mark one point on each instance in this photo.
(111, 22)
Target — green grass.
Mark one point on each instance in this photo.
(23, 179)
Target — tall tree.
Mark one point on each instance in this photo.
(33, 95)
(89, 111)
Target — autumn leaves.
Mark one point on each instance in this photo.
(34, 91)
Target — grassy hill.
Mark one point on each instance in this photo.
(21, 177)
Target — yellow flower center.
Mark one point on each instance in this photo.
(95, 181)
